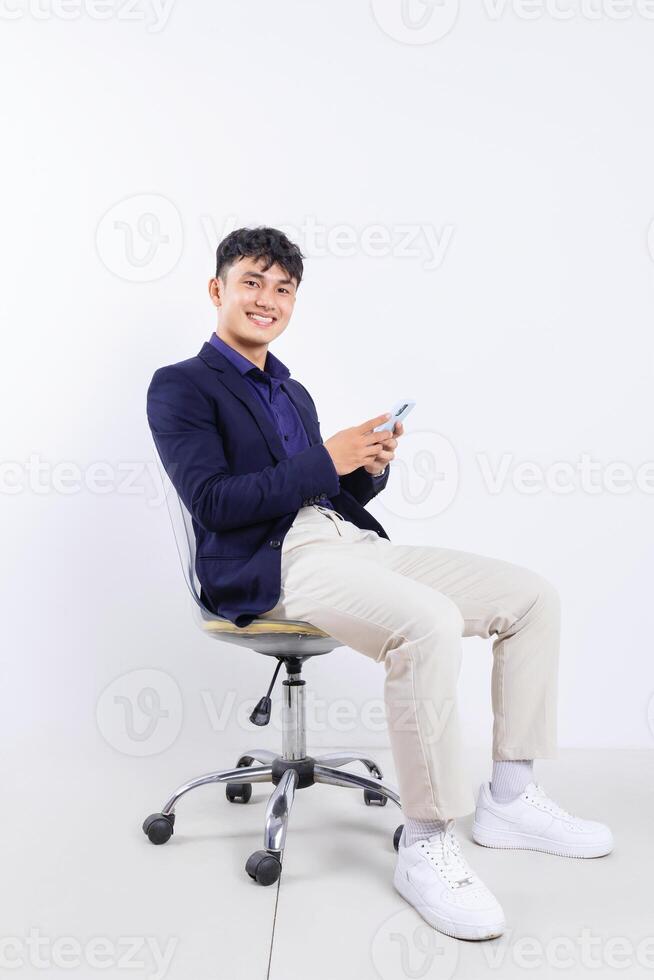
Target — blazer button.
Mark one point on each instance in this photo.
(274, 543)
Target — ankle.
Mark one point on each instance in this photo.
(415, 830)
(510, 778)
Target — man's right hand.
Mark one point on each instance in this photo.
(351, 448)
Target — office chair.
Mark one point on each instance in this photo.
(291, 642)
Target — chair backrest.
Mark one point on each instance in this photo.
(298, 639)
(182, 524)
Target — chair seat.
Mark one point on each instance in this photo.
(287, 627)
(274, 637)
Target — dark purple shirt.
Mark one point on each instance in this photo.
(269, 386)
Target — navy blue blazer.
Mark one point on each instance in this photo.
(226, 460)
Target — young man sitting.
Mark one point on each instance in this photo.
(282, 531)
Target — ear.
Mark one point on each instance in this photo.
(216, 291)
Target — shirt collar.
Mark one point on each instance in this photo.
(272, 366)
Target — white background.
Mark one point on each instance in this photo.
(522, 144)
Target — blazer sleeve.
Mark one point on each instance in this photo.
(183, 426)
(362, 485)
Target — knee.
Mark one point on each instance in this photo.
(425, 624)
(540, 594)
(449, 620)
(430, 634)
(548, 592)
(442, 620)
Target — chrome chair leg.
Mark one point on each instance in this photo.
(277, 811)
(260, 755)
(339, 777)
(243, 774)
(287, 771)
(341, 759)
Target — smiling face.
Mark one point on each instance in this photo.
(254, 306)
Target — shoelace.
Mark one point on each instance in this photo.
(553, 807)
(444, 849)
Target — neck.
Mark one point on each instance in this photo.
(255, 353)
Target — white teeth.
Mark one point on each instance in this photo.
(264, 319)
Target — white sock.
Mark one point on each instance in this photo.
(510, 778)
(420, 829)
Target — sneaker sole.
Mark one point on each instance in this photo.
(456, 930)
(530, 842)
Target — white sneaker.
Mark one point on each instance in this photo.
(434, 877)
(536, 823)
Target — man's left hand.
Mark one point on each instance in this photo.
(386, 454)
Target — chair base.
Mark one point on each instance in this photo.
(291, 770)
(287, 775)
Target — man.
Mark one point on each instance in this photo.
(282, 531)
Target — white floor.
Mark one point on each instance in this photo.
(75, 864)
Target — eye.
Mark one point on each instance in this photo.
(252, 282)
(284, 289)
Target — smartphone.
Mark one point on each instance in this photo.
(399, 412)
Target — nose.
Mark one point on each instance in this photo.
(265, 300)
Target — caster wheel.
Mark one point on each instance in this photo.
(238, 792)
(263, 867)
(397, 835)
(371, 798)
(159, 828)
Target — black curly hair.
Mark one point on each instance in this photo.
(261, 243)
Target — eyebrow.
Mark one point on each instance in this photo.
(258, 275)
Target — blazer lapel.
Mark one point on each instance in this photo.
(239, 387)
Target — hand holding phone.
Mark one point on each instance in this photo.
(399, 412)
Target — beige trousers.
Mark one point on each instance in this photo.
(408, 607)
